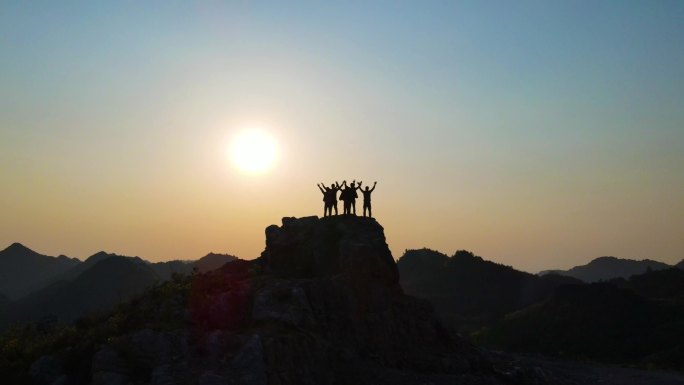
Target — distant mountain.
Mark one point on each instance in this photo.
(680, 264)
(606, 268)
(209, 262)
(596, 321)
(212, 261)
(469, 291)
(83, 266)
(165, 270)
(22, 270)
(108, 281)
(100, 281)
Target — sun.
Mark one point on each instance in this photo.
(254, 151)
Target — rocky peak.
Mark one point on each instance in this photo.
(99, 256)
(17, 247)
(213, 261)
(17, 250)
(341, 246)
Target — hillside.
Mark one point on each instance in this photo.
(607, 268)
(667, 284)
(107, 282)
(4, 304)
(468, 291)
(22, 270)
(597, 321)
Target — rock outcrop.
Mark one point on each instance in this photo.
(349, 247)
(335, 277)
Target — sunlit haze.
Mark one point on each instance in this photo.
(535, 134)
(253, 151)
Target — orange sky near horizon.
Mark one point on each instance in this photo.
(183, 211)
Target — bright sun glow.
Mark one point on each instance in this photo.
(254, 151)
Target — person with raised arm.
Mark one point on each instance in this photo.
(367, 199)
(345, 197)
(326, 199)
(352, 196)
(332, 196)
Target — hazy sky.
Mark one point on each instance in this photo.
(536, 134)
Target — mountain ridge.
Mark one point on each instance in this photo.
(107, 282)
(608, 267)
(469, 291)
(65, 297)
(23, 270)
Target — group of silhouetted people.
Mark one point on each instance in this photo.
(348, 196)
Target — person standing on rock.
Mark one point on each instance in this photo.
(354, 196)
(326, 199)
(344, 197)
(331, 196)
(350, 194)
(367, 199)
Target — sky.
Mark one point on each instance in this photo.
(536, 134)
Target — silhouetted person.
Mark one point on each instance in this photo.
(330, 197)
(326, 199)
(354, 195)
(349, 196)
(344, 197)
(334, 188)
(367, 199)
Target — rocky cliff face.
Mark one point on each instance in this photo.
(322, 305)
(334, 282)
(349, 247)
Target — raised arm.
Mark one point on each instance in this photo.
(320, 188)
(358, 186)
(374, 183)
